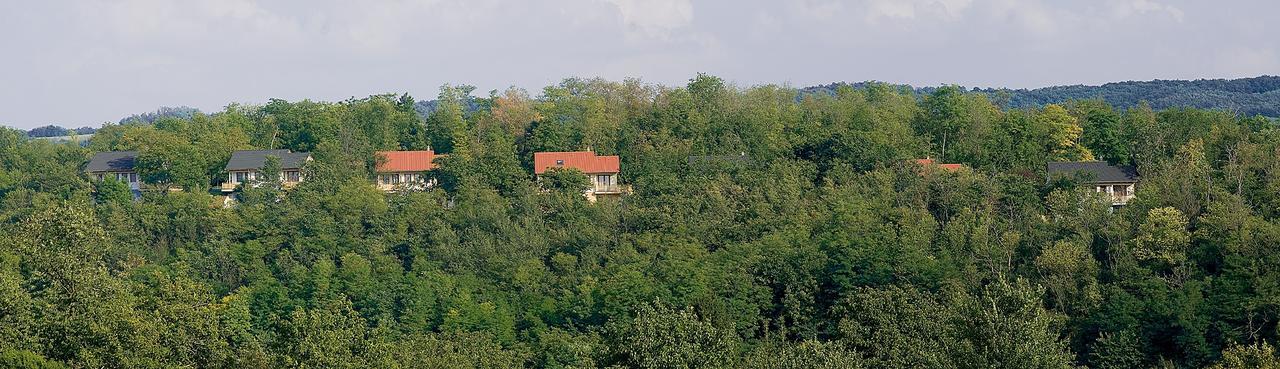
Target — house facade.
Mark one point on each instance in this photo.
(117, 165)
(601, 171)
(405, 170)
(1118, 182)
(245, 167)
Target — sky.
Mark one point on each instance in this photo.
(84, 62)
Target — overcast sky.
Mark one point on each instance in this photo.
(84, 62)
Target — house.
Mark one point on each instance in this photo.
(1118, 182)
(930, 164)
(405, 169)
(245, 166)
(114, 164)
(602, 171)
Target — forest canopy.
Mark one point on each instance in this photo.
(829, 248)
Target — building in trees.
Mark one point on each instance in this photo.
(601, 171)
(930, 164)
(116, 165)
(405, 170)
(247, 166)
(1118, 182)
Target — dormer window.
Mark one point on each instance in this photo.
(559, 163)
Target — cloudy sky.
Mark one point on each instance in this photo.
(84, 62)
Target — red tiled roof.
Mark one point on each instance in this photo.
(585, 161)
(948, 167)
(406, 161)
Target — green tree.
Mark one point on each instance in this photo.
(1064, 134)
(569, 181)
(1069, 273)
(1118, 350)
(27, 360)
(1103, 132)
(1260, 355)
(1163, 239)
(112, 191)
(663, 337)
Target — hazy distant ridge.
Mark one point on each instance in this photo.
(1247, 96)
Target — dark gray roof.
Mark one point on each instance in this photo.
(111, 161)
(255, 159)
(1100, 171)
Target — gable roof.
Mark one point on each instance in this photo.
(255, 159)
(585, 161)
(406, 161)
(1101, 171)
(112, 161)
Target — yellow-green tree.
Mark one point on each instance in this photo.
(1064, 134)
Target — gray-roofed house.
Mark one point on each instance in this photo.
(245, 167)
(114, 164)
(1118, 182)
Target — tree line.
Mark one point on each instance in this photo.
(829, 248)
(1246, 96)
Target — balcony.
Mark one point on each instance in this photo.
(1120, 199)
(1119, 194)
(610, 189)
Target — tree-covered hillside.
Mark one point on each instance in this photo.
(1246, 96)
(830, 248)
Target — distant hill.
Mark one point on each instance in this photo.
(1247, 96)
(181, 112)
(426, 107)
(56, 131)
(79, 139)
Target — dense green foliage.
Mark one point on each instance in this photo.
(829, 248)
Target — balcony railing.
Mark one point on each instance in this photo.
(608, 189)
(1121, 199)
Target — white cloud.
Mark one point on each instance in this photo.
(654, 18)
(910, 9)
(160, 19)
(1127, 8)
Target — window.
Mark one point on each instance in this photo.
(604, 180)
(1120, 190)
(292, 176)
(242, 177)
(133, 177)
(395, 179)
(559, 163)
